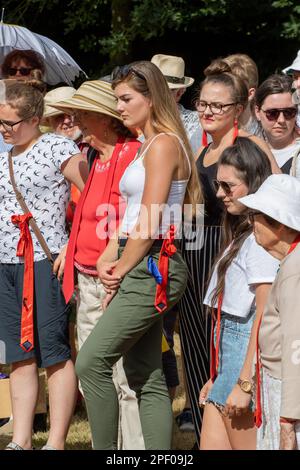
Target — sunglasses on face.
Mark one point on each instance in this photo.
(274, 113)
(24, 71)
(123, 71)
(226, 187)
(251, 215)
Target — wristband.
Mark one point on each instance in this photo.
(287, 420)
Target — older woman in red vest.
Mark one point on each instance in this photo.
(98, 214)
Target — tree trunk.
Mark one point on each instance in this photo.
(120, 10)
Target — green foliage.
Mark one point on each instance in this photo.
(100, 30)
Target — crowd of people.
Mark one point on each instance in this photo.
(124, 213)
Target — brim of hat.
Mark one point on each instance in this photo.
(68, 106)
(188, 81)
(50, 111)
(291, 69)
(272, 209)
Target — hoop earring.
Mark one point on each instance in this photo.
(204, 139)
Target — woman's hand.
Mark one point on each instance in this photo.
(237, 402)
(108, 298)
(106, 275)
(59, 263)
(288, 439)
(204, 392)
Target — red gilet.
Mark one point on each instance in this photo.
(106, 193)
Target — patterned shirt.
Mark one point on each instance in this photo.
(191, 123)
(45, 190)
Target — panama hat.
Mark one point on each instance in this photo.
(279, 198)
(53, 96)
(172, 68)
(295, 65)
(94, 95)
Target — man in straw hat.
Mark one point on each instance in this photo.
(173, 69)
(60, 122)
(94, 108)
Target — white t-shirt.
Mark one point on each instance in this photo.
(283, 155)
(46, 193)
(252, 265)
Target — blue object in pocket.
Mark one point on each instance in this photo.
(153, 269)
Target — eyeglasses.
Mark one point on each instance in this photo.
(123, 71)
(274, 113)
(215, 108)
(9, 126)
(226, 187)
(251, 215)
(23, 71)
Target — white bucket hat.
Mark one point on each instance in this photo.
(53, 96)
(172, 68)
(295, 65)
(279, 198)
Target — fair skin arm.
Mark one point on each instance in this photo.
(161, 163)
(238, 401)
(75, 170)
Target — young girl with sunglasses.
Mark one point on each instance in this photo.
(223, 96)
(162, 174)
(277, 113)
(237, 292)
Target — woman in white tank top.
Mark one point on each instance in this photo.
(141, 282)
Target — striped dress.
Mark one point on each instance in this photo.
(193, 321)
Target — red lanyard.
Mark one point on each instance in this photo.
(167, 250)
(25, 249)
(214, 350)
(258, 409)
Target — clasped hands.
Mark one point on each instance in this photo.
(237, 401)
(109, 278)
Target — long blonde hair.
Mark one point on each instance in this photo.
(146, 78)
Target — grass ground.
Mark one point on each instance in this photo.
(79, 437)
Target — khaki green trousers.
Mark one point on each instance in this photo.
(131, 328)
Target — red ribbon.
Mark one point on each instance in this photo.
(167, 250)
(258, 408)
(214, 350)
(25, 249)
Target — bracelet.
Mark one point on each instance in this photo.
(287, 420)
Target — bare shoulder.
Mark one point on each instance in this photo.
(165, 148)
(166, 142)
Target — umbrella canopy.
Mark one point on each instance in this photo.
(60, 67)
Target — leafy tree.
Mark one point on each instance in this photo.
(103, 33)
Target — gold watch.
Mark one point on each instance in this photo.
(245, 385)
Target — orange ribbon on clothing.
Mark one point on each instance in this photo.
(167, 250)
(214, 350)
(25, 249)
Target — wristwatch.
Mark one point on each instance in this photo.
(245, 385)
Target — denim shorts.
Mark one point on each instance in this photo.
(234, 340)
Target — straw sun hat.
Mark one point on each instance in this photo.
(53, 96)
(95, 95)
(172, 68)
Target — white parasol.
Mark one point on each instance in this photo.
(60, 67)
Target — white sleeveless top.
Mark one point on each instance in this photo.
(132, 187)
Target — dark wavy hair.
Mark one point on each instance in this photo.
(29, 56)
(252, 166)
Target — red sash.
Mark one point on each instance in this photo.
(258, 408)
(25, 249)
(214, 351)
(167, 250)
